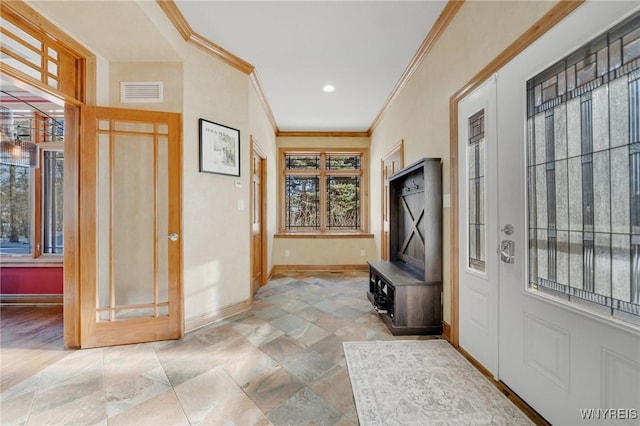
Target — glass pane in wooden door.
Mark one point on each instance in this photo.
(133, 278)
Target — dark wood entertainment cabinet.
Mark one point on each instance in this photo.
(407, 289)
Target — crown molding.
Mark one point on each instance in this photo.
(323, 134)
(263, 99)
(178, 20)
(441, 24)
(184, 29)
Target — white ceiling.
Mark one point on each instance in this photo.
(360, 47)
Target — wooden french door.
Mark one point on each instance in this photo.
(258, 212)
(391, 163)
(130, 221)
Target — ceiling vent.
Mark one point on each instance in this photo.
(141, 91)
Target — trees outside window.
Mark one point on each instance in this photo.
(25, 191)
(322, 191)
(15, 210)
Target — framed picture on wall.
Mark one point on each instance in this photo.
(219, 148)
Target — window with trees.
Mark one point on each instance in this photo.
(323, 191)
(31, 199)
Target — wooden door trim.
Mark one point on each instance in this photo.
(537, 30)
(397, 149)
(85, 84)
(257, 150)
(87, 223)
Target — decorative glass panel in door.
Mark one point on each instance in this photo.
(584, 175)
(134, 187)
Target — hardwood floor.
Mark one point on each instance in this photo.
(30, 339)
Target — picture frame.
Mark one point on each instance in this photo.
(219, 148)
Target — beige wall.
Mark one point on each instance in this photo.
(169, 73)
(216, 232)
(323, 251)
(420, 112)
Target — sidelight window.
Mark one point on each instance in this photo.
(583, 150)
(476, 191)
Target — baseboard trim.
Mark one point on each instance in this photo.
(326, 268)
(192, 324)
(521, 404)
(31, 299)
(446, 331)
(506, 391)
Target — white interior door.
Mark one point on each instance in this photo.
(560, 349)
(478, 290)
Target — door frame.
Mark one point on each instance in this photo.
(397, 149)
(85, 91)
(539, 28)
(256, 149)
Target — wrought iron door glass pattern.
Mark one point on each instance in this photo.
(583, 156)
(476, 191)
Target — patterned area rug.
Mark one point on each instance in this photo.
(423, 382)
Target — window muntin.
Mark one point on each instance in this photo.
(29, 52)
(476, 191)
(322, 191)
(583, 149)
(25, 191)
(52, 201)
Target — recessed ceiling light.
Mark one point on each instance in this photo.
(328, 88)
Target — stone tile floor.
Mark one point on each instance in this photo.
(280, 363)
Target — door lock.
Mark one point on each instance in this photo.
(506, 250)
(508, 229)
(173, 236)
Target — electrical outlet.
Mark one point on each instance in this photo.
(363, 253)
(287, 253)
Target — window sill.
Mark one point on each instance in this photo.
(28, 262)
(319, 235)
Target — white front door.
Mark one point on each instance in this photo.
(559, 347)
(478, 226)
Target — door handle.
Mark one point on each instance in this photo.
(173, 236)
(506, 250)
